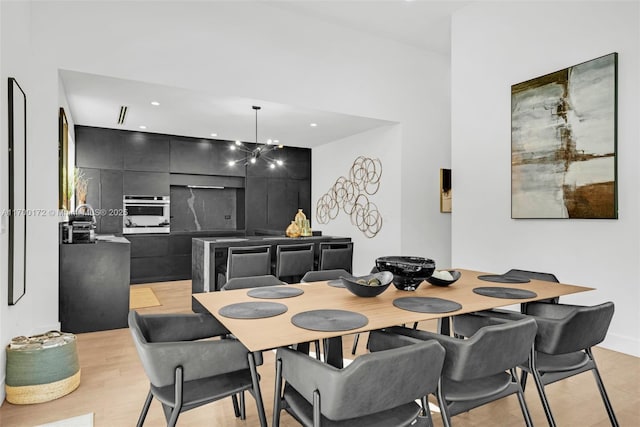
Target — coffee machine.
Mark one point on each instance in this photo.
(81, 226)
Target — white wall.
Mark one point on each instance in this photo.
(495, 45)
(241, 49)
(334, 160)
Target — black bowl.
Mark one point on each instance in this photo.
(362, 290)
(408, 271)
(436, 281)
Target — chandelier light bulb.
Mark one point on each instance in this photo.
(232, 148)
(231, 163)
(272, 165)
(238, 143)
(279, 162)
(253, 160)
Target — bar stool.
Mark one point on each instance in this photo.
(244, 261)
(293, 261)
(336, 255)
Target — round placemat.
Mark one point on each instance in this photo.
(503, 278)
(508, 293)
(336, 283)
(275, 292)
(329, 320)
(426, 304)
(252, 310)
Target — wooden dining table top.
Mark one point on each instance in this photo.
(278, 331)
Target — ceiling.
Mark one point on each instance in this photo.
(95, 100)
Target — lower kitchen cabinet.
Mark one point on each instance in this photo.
(94, 286)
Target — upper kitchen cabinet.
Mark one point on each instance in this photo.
(202, 157)
(146, 183)
(192, 156)
(98, 148)
(296, 164)
(146, 152)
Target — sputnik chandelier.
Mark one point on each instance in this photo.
(261, 151)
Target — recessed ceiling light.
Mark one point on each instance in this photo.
(142, 127)
(313, 125)
(155, 103)
(275, 141)
(214, 134)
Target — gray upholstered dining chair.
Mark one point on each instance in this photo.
(185, 371)
(465, 325)
(252, 282)
(563, 345)
(334, 255)
(323, 275)
(480, 369)
(375, 390)
(293, 261)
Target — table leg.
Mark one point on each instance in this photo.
(444, 326)
(333, 352)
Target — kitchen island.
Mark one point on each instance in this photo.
(94, 285)
(209, 252)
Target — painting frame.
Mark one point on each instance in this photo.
(445, 190)
(564, 143)
(17, 130)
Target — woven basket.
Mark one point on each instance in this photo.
(41, 374)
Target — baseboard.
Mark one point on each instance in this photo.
(3, 394)
(623, 344)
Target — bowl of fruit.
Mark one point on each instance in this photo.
(370, 285)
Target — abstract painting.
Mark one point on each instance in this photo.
(563, 143)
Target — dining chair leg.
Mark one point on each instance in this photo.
(175, 412)
(145, 409)
(277, 395)
(236, 408)
(255, 380)
(523, 380)
(537, 379)
(355, 344)
(603, 391)
(243, 410)
(426, 412)
(316, 409)
(444, 409)
(521, 401)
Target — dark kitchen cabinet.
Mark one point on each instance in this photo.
(150, 261)
(146, 183)
(271, 203)
(146, 152)
(110, 201)
(191, 156)
(98, 148)
(104, 194)
(204, 157)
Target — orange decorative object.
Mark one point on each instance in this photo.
(293, 230)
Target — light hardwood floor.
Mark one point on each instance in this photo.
(114, 387)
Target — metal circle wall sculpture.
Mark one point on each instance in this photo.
(351, 196)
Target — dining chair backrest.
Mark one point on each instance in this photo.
(372, 383)
(243, 261)
(294, 260)
(336, 255)
(567, 328)
(324, 275)
(251, 282)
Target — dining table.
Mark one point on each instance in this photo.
(255, 321)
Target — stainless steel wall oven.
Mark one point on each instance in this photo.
(146, 214)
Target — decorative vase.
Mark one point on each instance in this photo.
(306, 229)
(300, 218)
(293, 230)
